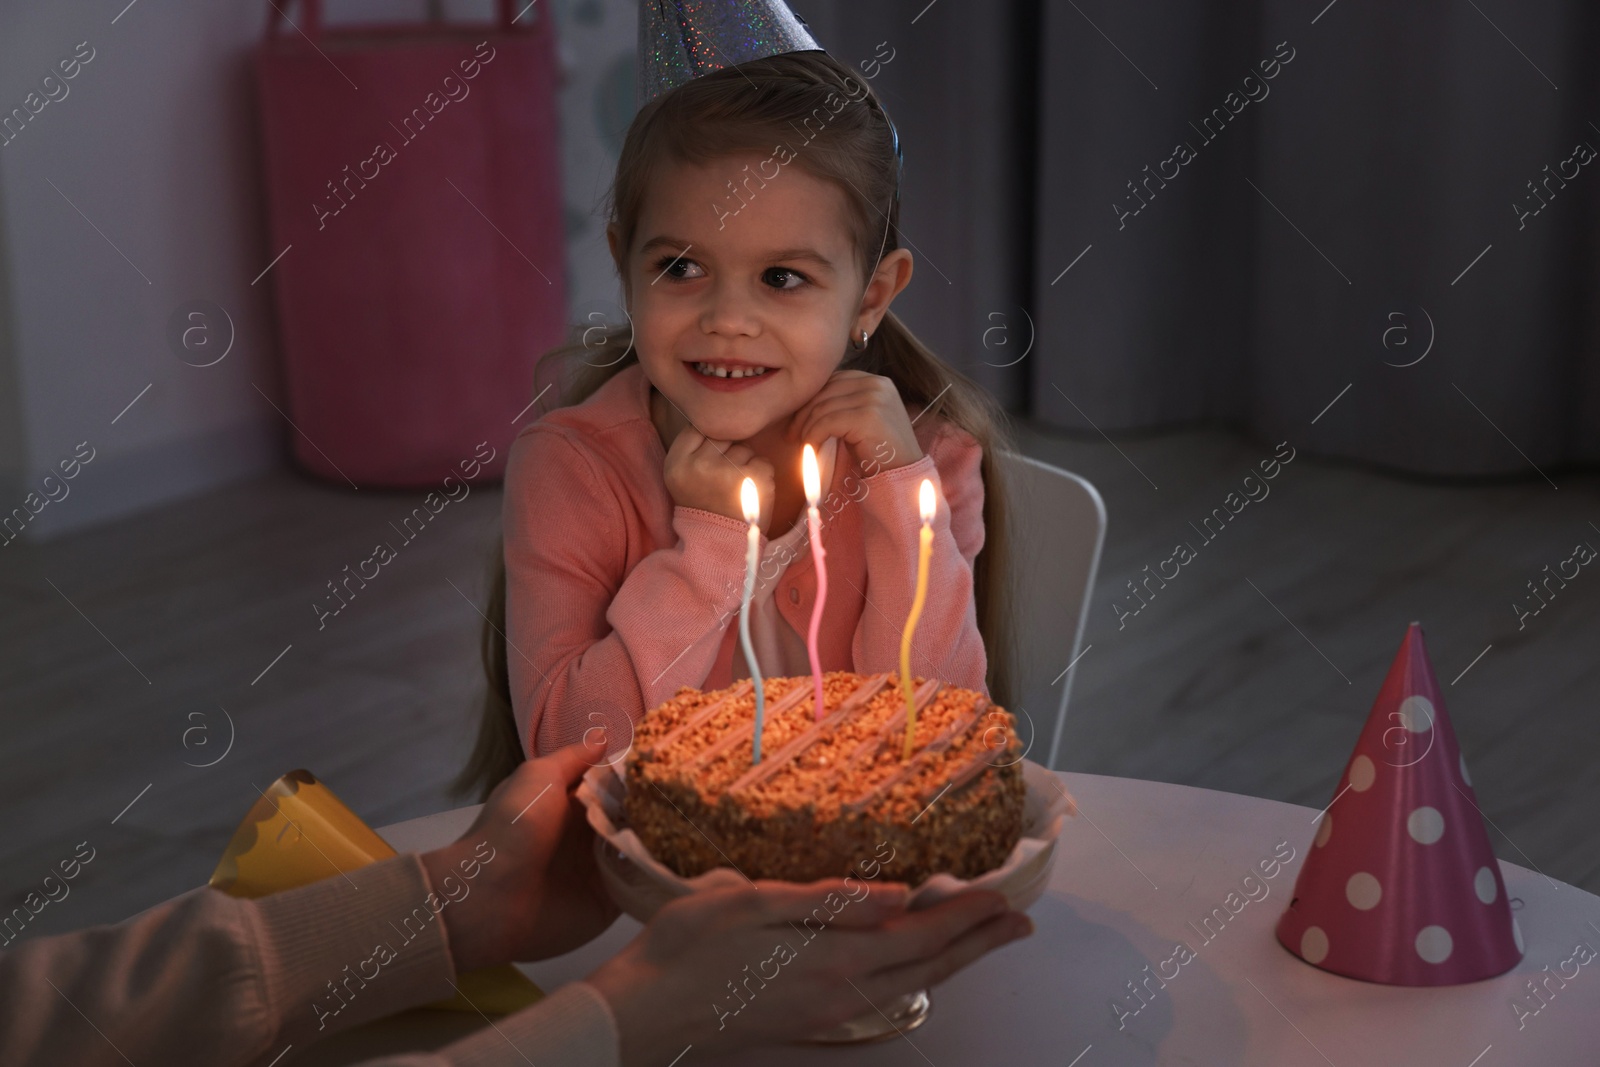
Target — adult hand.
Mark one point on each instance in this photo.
(704, 473)
(864, 411)
(521, 884)
(734, 967)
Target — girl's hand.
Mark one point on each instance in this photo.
(521, 884)
(706, 474)
(670, 986)
(863, 410)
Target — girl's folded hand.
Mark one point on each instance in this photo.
(862, 410)
(705, 473)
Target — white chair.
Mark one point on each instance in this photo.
(1058, 523)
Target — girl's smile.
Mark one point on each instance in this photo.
(730, 375)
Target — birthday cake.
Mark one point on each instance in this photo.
(832, 797)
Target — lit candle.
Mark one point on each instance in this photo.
(751, 501)
(813, 483)
(925, 549)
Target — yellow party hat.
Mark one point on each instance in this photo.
(298, 832)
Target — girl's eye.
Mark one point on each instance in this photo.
(678, 268)
(783, 278)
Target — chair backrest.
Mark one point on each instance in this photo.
(1058, 524)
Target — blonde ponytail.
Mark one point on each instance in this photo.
(925, 379)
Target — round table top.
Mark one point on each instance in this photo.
(1141, 869)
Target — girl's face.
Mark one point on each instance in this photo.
(768, 286)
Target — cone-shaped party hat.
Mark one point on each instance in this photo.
(683, 39)
(1400, 885)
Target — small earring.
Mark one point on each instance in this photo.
(862, 346)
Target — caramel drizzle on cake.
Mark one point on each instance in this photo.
(745, 732)
(867, 751)
(976, 765)
(860, 698)
(701, 717)
(865, 699)
(923, 759)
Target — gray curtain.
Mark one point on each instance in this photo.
(1386, 210)
(960, 87)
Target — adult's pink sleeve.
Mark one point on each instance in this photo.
(946, 644)
(588, 645)
(208, 978)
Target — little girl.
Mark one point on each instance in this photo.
(753, 224)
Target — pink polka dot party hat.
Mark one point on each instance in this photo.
(1400, 885)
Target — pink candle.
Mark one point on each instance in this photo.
(813, 483)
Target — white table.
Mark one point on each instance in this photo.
(1144, 860)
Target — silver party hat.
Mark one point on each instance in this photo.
(683, 39)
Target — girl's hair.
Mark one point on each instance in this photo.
(836, 130)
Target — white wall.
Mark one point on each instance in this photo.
(153, 142)
(156, 143)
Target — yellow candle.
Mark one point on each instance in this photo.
(925, 550)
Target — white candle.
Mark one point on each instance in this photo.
(750, 500)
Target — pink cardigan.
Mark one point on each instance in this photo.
(616, 598)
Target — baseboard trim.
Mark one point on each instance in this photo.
(117, 485)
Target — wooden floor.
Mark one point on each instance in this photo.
(1254, 670)
(128, 649)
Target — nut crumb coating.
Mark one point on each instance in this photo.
(830, 798)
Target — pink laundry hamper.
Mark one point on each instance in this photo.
(414, 194)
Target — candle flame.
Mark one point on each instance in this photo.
(750, 500)
(925, 499)
(811, 475)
